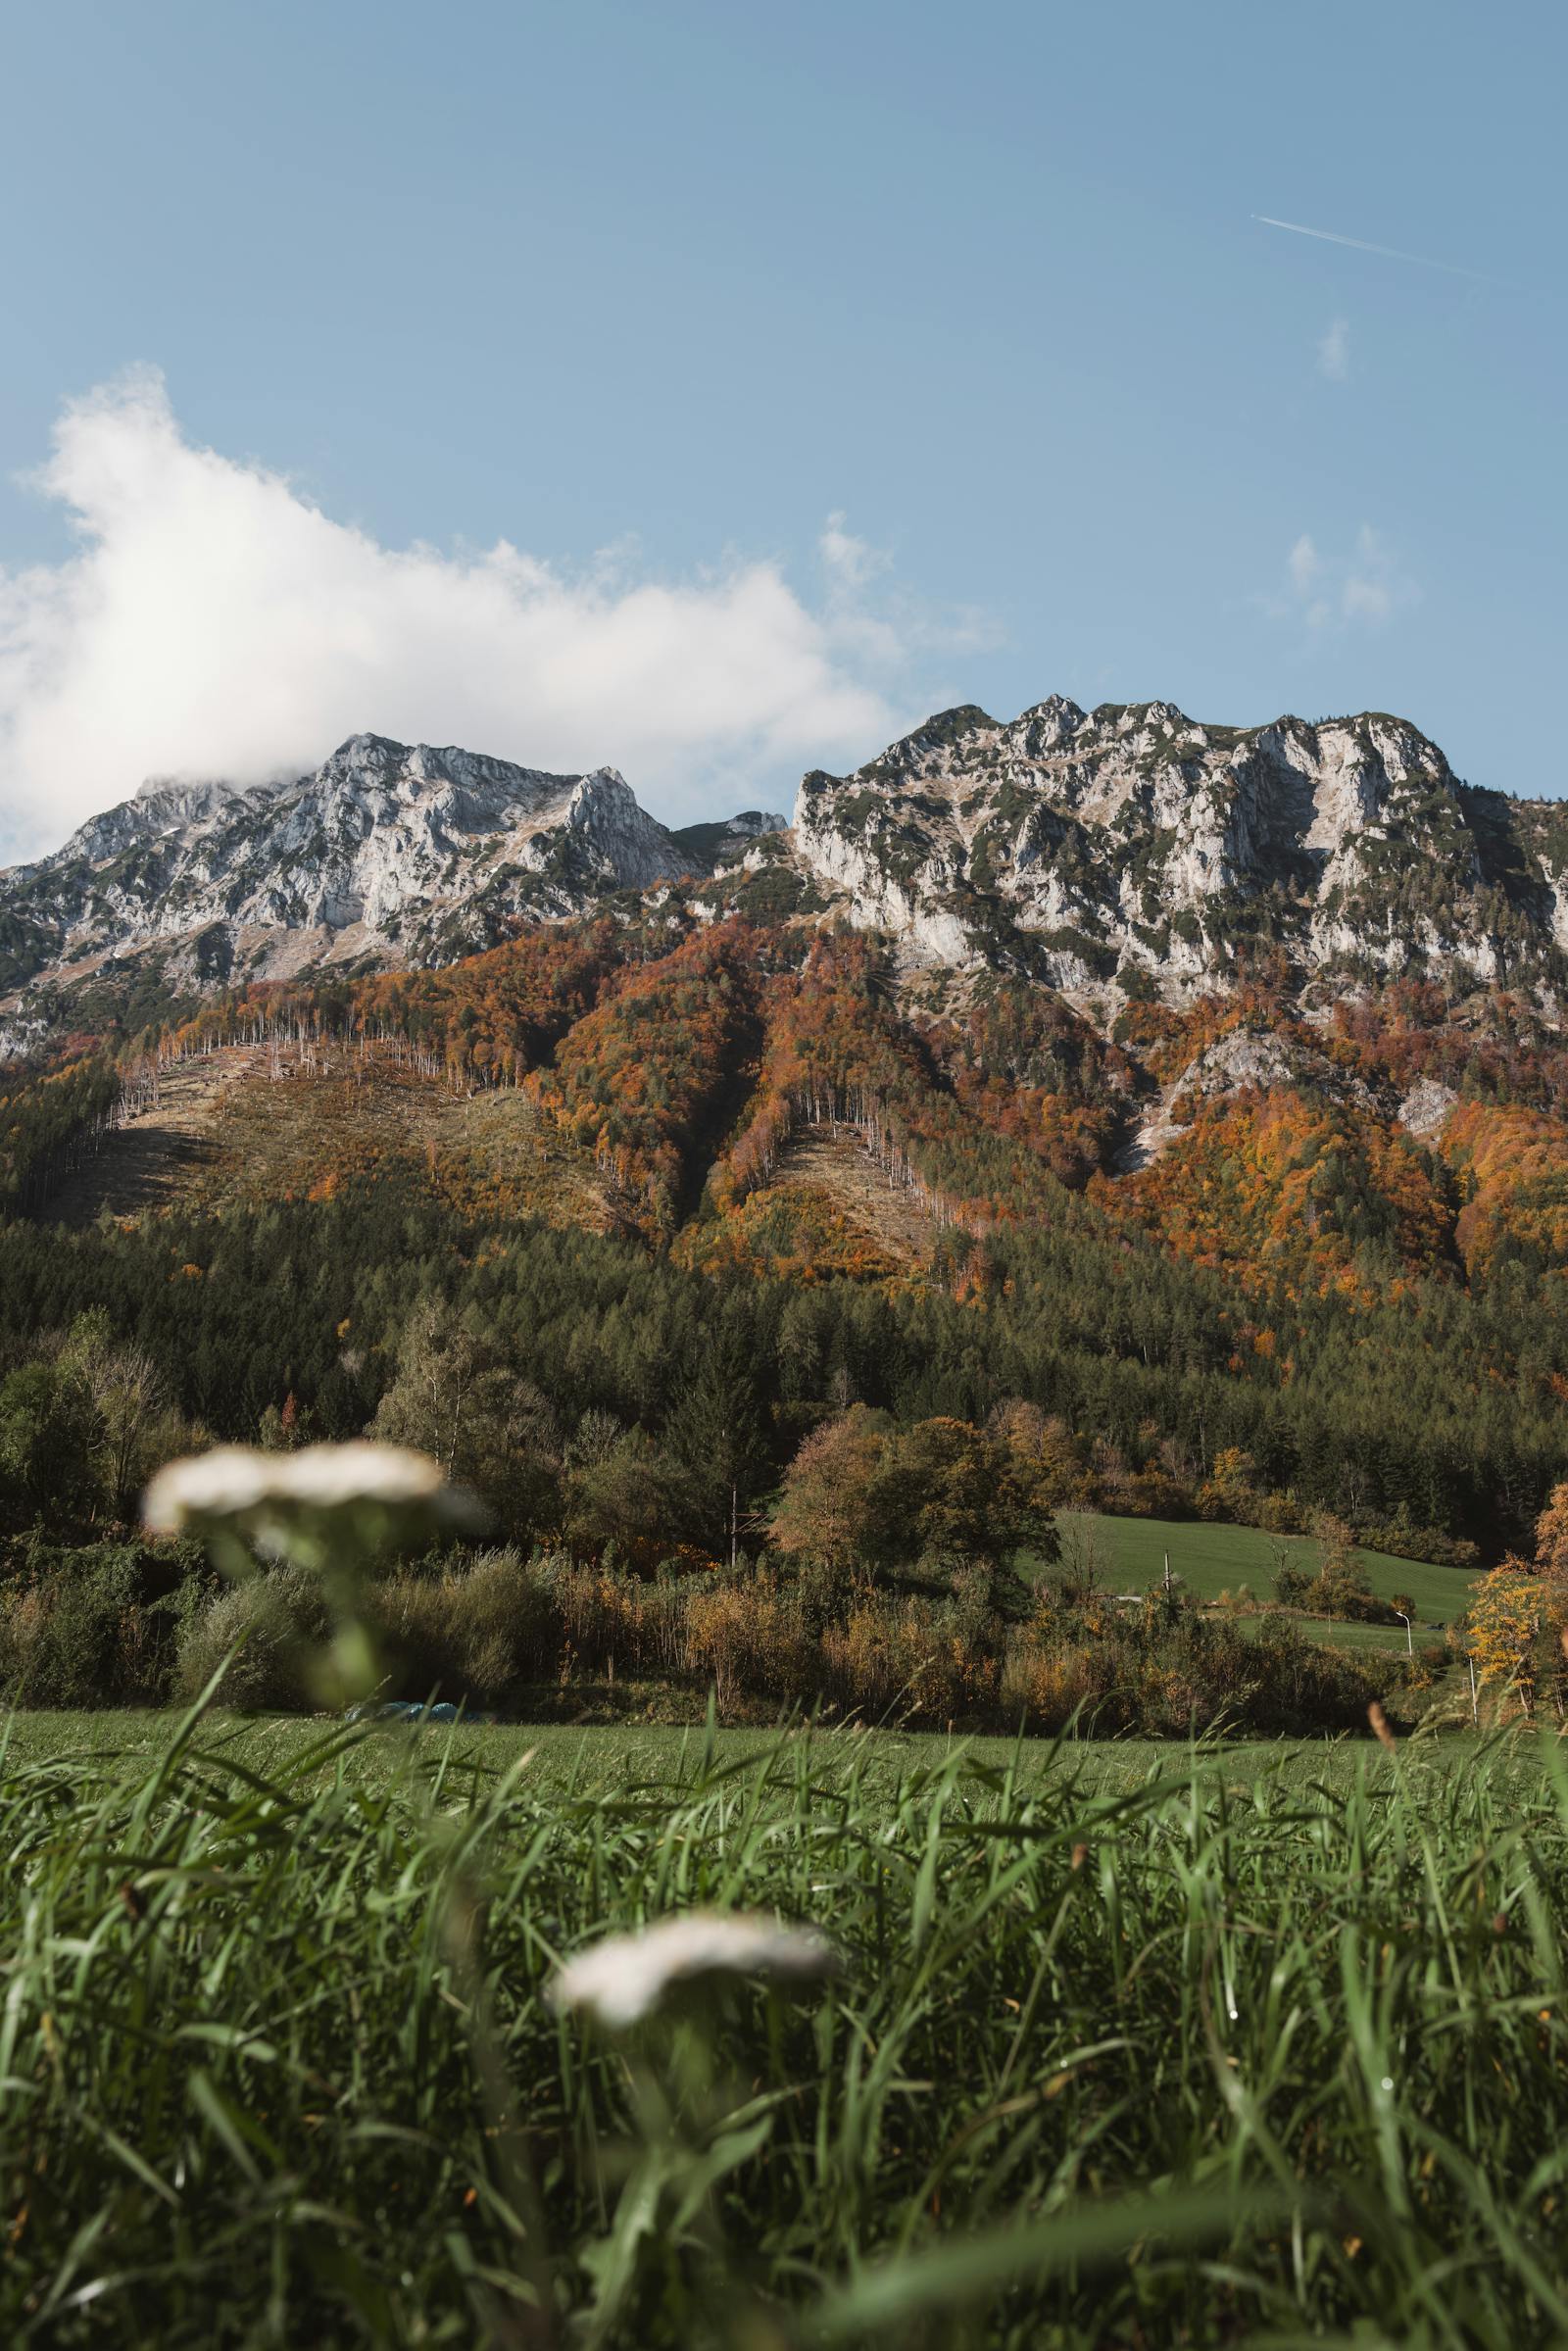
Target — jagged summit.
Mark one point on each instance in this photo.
(401, 852)
(1128, 845)
(1132, 840)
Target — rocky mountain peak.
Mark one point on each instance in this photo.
(388, 851)
(1131, 842)
(1128, 848)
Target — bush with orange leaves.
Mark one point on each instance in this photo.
(751, 1637)
(1161, 1671)
(612, 1620)
(1551, 1535)
(1516, 1633)
(1504, 1637)
(907, 1660)
(765, 1641)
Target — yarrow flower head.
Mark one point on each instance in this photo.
(332, 1509)
(626, 1978)
(265, 1497)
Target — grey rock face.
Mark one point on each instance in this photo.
(387, 848)
(1425, 1106)
(1130, 838)
(1125, 844)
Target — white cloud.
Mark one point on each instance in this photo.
(1373, 583)
(213, 622)
(1331, 593)
(1302, 563)
(847, 560)
(1333, 352)
(1365, 599)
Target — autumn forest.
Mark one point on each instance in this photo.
(627, 1228)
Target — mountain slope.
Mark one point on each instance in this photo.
(1239, 1223)
(1340, 1271)
(1133, 841)
(391, 851)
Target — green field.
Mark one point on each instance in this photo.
(1126, 2045)
(608, 1760)
(1212, 1558)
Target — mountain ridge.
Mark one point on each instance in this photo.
(1132, 840)
(389, 852)
(1118, 852)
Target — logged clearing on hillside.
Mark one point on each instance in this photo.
(835, 1161)
(249, 1124)
(254, 1123)
(169, 1148)
(830, 1212)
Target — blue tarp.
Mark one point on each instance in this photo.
(408, 1711)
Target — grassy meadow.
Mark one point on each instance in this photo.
(604, 1761)
(1128, 2045)
(1212, 1558)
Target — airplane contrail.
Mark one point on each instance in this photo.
(1389, 253)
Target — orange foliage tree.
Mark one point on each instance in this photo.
(1515, 1164)
(642, 1080)
(1518, 1624)
(1281, 1185)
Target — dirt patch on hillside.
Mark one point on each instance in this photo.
(496, 1156)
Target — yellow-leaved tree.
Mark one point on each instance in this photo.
(1504, 1634)
(1552, 1536)
(1519, 1619)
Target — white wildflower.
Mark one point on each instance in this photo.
(626, 1976)
(224, 1483)
(237, 1485)
(334, 1477)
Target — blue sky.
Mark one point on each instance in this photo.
(814, 365)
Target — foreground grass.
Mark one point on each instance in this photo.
(1130, 2046)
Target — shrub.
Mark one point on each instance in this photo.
(609, 1617)
(1161, 1677)
(81, 1630)
(1044, 1682)
(750, 1633)
(269, 1624)
(1345, 1594)
(907, 1660)
(471, 1631)
(1280, 1514)
(1292, 1583)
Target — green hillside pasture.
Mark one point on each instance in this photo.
(1211, 1560)
(1353, 1635)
